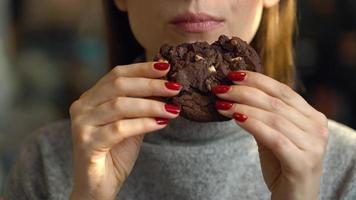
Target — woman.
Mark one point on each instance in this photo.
(187, 160)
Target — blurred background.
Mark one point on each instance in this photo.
(51, 51)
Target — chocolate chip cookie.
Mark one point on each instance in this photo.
(199, 67)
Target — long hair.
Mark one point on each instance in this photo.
(273, 41)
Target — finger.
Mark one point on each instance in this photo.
(132, 87)
(280, 145)
(275, 121)
(276, 89)
(145, 70)
(111, 134)
(126, 107)
(256, 98)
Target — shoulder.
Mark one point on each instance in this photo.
(341, 137)
(49, 137)
(49, 147)
(44, 161)
(54, 134)
(339, 176)
(52, 141)
(342, 142)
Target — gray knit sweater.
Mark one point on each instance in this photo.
(185, 161)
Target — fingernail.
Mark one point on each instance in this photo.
(236, 76)
(162, 121)
(173, 86)
(223, 105)
(220, 89)
(161, 66)
(239, 117)
(172, 108)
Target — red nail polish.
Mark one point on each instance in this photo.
(172, 109)
(223, 105)
(239, 117)
(236, 76)
(220, 89)
(161, 121)
(161, 66)
(173, 86)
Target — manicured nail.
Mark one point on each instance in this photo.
(239, 117)
(162, 66)
(173, 86)
(223, 105)
(220, 89)
(172, 108)
(236, 76)
(162, 121)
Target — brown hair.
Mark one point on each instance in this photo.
(273, 41)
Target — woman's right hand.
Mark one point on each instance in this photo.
(109, 122)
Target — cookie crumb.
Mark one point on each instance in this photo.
(198, 58)
(238, 58)
(212, 69)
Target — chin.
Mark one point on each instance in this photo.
(209, 37)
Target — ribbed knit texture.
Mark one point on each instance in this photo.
(185, 161)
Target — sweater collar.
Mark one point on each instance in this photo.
(183, 130)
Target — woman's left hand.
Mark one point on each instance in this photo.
(291, 135)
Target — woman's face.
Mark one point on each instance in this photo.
(155, 22)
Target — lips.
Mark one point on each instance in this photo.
(196, 22)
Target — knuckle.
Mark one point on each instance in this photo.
(276, 120)
(117, 104)
(116, 71)
(74, 107)
(285, 91)
(243, 93)
(117, 127)
(259, 78)
(119, 82)
(239, 108)
(276, 104)
(153, 109)
(323, 118)
(82, 139)
(118, 130)
(151, 85)
(145, 126)
(280, 143)
(323, 132)
(81, 135)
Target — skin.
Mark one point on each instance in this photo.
(152, 29)
(110, 120)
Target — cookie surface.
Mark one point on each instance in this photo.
(199, 67)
